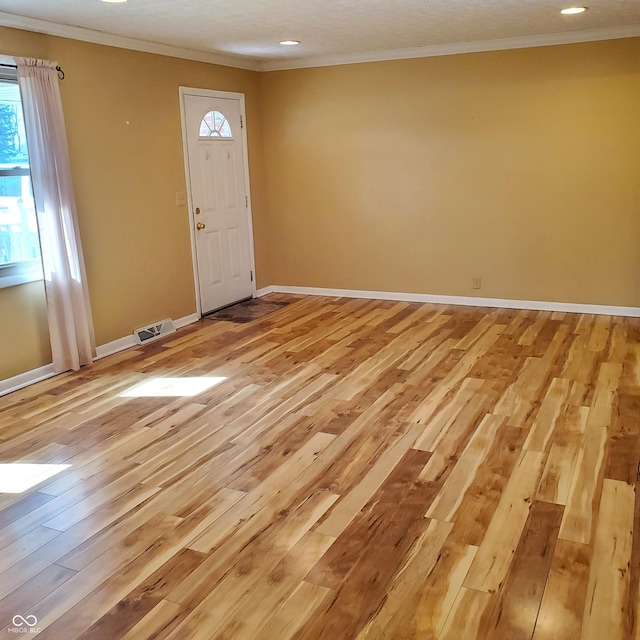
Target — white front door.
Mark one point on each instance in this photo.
(219, 198)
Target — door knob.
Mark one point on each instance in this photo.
(200, 226)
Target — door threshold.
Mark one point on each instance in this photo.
(226, 306)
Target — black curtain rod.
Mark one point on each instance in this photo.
(14, 66)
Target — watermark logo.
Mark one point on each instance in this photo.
(24, 624)
(29, 621)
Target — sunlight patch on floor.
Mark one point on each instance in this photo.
(167, 387)
(17, 477)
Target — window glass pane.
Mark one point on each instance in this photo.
(215, 125)
(13, 141)
(18, 228)
(11, 186)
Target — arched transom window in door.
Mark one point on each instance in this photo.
(215, 125)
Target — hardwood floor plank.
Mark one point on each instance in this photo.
(60, 602)
(348, 506)
(580, 516)
(424, 591)
(37, 561)
(447, 414)
(361, 583)
(606, 611)
(476, 510)
(21, 507)
(452, 440)
(457, 374)
(603, 397)
(367, 469)
(518, 400)
(563, 602)
(541, 432)
(558, 349)
(618, 344)
(355, 540)
(274, 536)
(25, 597)
(275, 590)
(634, 568)
(158, 623)
(473, 457)
(121, 619)
(252, 503)
(428, 357)
(25, 545)
(623, 454)
(630, 378)
(561, 463)
(218, 606)
(531, 333)
(210, 509)
(515, 610)
(463, 621)
(494, 556)
(316, 387)
(581, 364)
(294, 612)
(358, 380)
(599, 334)
(132, 497)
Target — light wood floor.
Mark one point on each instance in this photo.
(367, 469)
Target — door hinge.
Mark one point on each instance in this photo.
(246, 201)
(251, 276)
(241, 122)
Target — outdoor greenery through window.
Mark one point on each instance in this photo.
(19, 243)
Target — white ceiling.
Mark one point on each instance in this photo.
(246, 33)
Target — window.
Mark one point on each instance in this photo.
(215, 125)
(19, 243)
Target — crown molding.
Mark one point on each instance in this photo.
(122, 42)
(250, 64)
(573, 37)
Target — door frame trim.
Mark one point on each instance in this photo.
(228, 95)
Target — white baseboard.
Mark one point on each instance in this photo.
(25, 379)
(468, 301)
(265, 291)
(114, 346)
(36, 375)
(42, 373)
(129, 341)
(183, 322)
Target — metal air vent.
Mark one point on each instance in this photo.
(154, 331)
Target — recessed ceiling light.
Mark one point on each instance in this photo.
(114, 1)
(569, 11)
(289, 43)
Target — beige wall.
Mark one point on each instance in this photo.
(136, 241)
(521, 167)
(24, 338)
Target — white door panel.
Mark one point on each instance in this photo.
(235, 253)
(219, 191)
(213, 258)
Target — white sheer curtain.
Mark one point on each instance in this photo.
(68, 308)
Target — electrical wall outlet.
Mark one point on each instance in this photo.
(476, 282)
